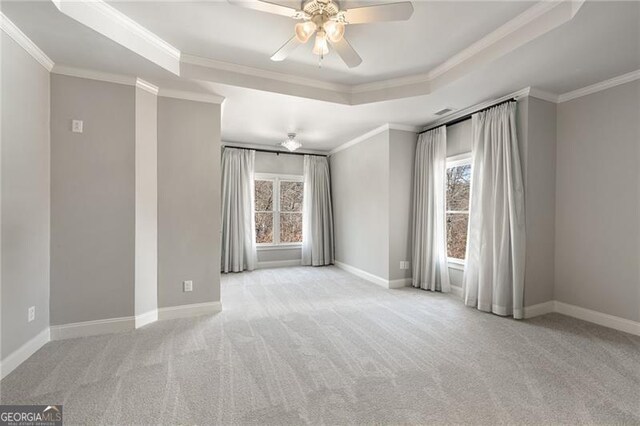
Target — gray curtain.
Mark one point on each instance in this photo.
(430, 270)
(238, 223)
(494, 273)
(317, 222)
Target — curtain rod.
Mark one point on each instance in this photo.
(271, 151)
(467, 116)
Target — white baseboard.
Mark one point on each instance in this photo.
(279, 264)
(391, 284)
(363, 274)
(606, 320)
(20, 355)
(92, 328)
(192, 310)
(399, 283)
(539, 309)
(146, 318)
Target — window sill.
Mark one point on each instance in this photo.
(456, 264)
(268, 247)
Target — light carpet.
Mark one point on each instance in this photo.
(318, 345)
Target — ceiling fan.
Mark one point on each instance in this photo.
(327, 21)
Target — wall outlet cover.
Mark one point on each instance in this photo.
(76, 126)
(32, 313)
(187, 285)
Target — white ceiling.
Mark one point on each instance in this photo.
(233, 34)
(602, 41)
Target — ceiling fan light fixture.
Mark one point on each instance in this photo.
(321, 47)
(334, 30)
(305, 30)
(291, 143)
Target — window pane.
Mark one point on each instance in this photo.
(457, 235)
(264, 195)
(290, 227)
(264, 228)
(458, 179)
(291, 196)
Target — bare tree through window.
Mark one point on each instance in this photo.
(458, 191)
(278, 210)
(291, 212)
(264, 211)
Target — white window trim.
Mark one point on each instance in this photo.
(455, 161)
(276, 179)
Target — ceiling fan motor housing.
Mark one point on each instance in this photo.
(315, 8)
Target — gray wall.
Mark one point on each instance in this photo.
(92, 200)
(146, 202)
(459, 138)
(287, 165)
(282, 164)
(188, 201)
(597, 202)
(360, 189)
(402, 148)
(540, 186)
(25, 193)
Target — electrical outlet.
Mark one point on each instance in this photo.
(402, 264)
(76, 126)
(407, 264)
(187, 285)
(32, 313)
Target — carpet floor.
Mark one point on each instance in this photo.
(320, 346)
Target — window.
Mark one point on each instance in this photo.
(458, 190)
(278, 209)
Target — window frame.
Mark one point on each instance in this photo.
(457, 161)
(276, 178)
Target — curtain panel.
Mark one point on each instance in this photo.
(238, 251)
(430, 270)
(494, 273)
(317, 216)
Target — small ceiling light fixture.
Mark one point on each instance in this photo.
(291, 143)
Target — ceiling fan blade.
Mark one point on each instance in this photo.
(380, 12)
(265, 6)
(347, 53)
(286, 49)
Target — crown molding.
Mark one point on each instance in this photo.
(258, 72)
(612, 82)
(475, 49)
(94, 75)
(525, 18)
(545, 96)
(371, 133)
(537, 20)
(145, 85)
(137, 82)
(403, 127)
(359, 139)
(191, 96)
(25, 42)
(111, 23)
